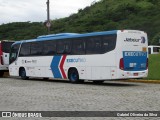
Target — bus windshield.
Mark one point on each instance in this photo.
(14, 53)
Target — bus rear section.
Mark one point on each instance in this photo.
(4, 56)
(133, 54)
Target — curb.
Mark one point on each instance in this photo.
(143, 81)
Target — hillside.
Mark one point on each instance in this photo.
(104, 15)
(21, 30)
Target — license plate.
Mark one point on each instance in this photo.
(135, 74)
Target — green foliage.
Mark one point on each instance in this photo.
(101, 16)
(21, 30)
(156, 39)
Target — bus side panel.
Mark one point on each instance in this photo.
(102, 66)
(34, 66)
(93, 67)
(99, 73)
(14, 70)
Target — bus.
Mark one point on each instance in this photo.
(153, 49)
(96, 56)
(4, 55)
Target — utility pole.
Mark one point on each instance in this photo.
(48, 23)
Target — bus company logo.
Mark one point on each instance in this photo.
(75, 60)
(143, 40)
(132, 40)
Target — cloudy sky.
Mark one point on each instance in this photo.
(35, 10)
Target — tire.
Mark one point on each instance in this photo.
(23, 74)
(98, 81)
(74, 76)
(1, 73)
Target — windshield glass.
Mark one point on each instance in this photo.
(14, 53)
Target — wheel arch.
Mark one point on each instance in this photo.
(71, 68)
(20, 68)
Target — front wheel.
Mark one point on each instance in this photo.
(23, 74)
(73, 76)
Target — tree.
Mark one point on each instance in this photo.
(156, 39)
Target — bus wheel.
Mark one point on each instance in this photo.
(23, 74)
(1, 73)
(73, 76)
(98, 81)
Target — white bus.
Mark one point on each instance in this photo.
(153, 49)
(97, 56)
(4, 55)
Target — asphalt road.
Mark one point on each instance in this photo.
(58, 95)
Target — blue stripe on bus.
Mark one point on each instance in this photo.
(55, 66)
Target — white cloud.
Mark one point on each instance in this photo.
(35, 10)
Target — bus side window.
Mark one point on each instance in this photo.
(89, 46)
(36, 48)
(60, 47)
(97, 45)
(64, 47)
(67, 46)
(78, 47)
(25, 50)
(109, 43)
(49, 47)
(93, 45)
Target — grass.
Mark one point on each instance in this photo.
(154, 67)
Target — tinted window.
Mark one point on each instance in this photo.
(100, 44)
(49, 47)
(156, 49)
(78, 47)
(14, 52)
(25, 49)
(63, 47)
(36, 48)
(108, 43)
(94, 45)
(6, 46)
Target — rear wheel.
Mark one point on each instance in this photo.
(1, 73)
(74, 76)
(23, 74)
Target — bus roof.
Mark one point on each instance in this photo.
(67, 35)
